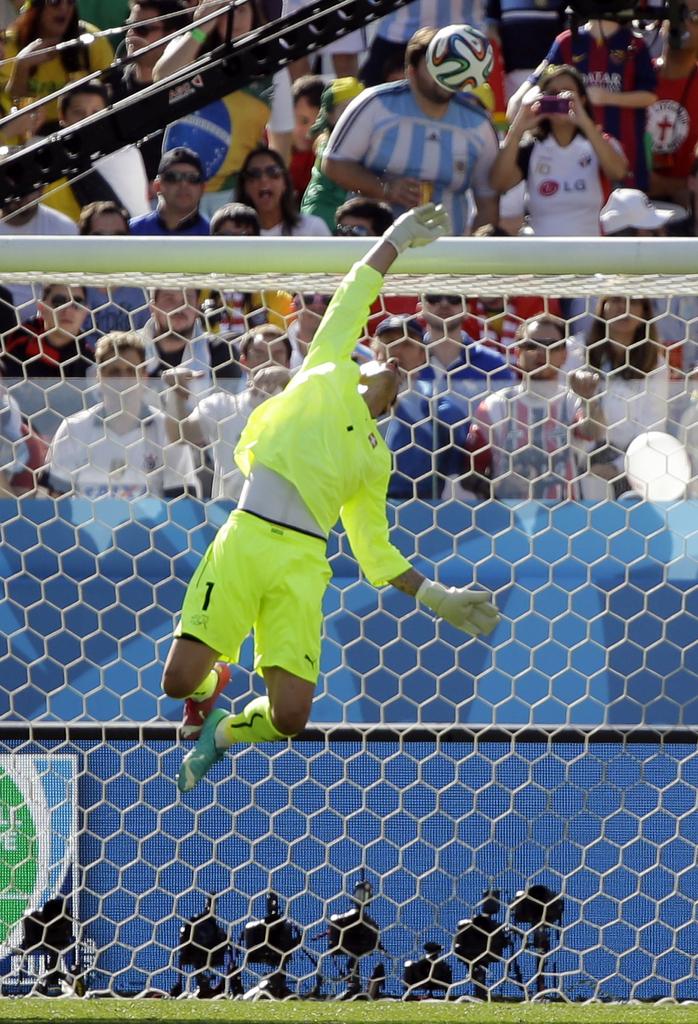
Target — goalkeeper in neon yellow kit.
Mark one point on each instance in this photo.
(310, 455)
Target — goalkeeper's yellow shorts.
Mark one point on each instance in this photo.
(256, 575)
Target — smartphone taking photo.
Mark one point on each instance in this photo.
(554, 105)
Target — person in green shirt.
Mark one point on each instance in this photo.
(322, 197)
(310, 454)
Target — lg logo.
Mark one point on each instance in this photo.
(550, 188)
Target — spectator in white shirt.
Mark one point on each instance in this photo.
(219, 419)
(564, 158)
(118, 448)
(265, 185)
(629, 385)
(29, 216)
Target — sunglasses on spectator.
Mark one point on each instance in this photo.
(358, 230)
(58, 300)
(310, 298)
(452, 300)
(57, 3)
(177, 177)
(270, 171)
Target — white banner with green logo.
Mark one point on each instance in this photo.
(38, 836)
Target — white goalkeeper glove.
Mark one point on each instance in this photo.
(420, 226)
(469, 610)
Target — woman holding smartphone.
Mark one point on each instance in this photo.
(568, 164)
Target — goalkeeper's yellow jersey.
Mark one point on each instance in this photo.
(320, 435)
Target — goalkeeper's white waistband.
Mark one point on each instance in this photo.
(268, 495)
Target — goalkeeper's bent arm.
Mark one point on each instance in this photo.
(469, 610)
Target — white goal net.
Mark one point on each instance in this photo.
(509, 818)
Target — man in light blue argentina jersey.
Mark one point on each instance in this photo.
(395, 30)
(412, 141)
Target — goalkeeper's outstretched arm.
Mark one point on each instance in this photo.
(346, 315)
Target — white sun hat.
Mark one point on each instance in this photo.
(631, 208)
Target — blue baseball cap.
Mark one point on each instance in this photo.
(407, 324)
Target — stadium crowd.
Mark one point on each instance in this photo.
(582, 130)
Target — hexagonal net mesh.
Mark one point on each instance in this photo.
(505, 817)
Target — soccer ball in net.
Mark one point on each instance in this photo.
(459, 57)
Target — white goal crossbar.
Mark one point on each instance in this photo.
(541, 266)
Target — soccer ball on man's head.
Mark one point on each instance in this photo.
(459, 57)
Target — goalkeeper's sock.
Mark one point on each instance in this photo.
(252, 725)
(206, 688)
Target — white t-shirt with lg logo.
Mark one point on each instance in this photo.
(565, 187)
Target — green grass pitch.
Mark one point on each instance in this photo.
(381, 1012)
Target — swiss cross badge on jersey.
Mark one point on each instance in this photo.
(668, 123)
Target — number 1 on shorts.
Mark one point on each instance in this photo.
(207, 599)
